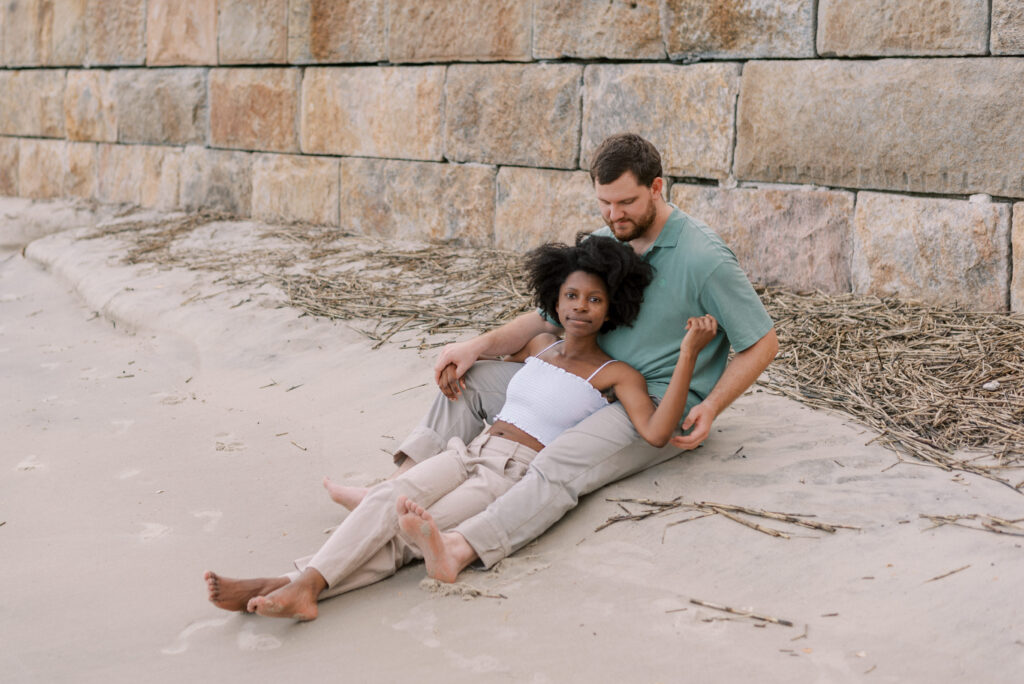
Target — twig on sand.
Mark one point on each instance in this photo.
(943, 576)
(986, 523)
(744, 613)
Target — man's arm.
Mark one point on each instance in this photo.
(508, 339)
(740, 374)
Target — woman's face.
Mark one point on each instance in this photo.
(582, 303)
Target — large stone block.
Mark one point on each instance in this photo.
(142, 175)
(337, 31)
(535, 206)
(418, 200)
(81, 178)
(738, 28)
(902, 27)
(925, 125)
(1007, 27)
(592, 29)
(181, 32)
(255, 109)
(90, 106)
(444, 31)
(41, 167)
(44, 32)
(9, 166)
(799, 238)
(32, 103)
(117, 33)
(1017, 284)
(686, 111)
(216, 180)
(941, 251)
(161, 106)
(373, 111)
(252, 32)
(288, 188)
(513, 114)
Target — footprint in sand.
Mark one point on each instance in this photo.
(122, 425)
(50, 365)
(420, 625)
(153, 531)
(126, 474)
(213, 516)
(168, 398)
(227, 442)
(30, 463)
(248, 640)
(180, 644)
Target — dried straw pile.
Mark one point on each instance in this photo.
(911, 372)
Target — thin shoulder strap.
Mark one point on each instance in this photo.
(600, 367)
(548, 347)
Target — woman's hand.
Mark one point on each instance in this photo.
(699, 331)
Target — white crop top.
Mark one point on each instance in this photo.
(544, 400)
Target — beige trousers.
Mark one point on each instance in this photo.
(601, 449)
(453, 486)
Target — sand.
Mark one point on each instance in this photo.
(147, 440)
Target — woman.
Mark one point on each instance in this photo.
(588, 288)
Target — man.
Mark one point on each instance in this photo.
(695, 274)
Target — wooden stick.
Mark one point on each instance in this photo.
(744, 613)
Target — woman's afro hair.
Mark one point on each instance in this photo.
(624, 273)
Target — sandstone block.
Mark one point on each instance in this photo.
(596, 28)
(32, 103)
(216, 180)
(289, 188)
(541, 128)
(1017, 284)
(44, 32)
(90, 106)
(940, 251)
(686, 111)
(337, 31)
(181, 32)
(255, 109)
(116, 32)
(9, 167)
(738, 28)
(902, 27)
(161, 106)
(252, 32)
(418, 200)
(80, 179)
(41, 165)
(1007, 27)
(373, 111)
(535, 206)
(440, 30)
(949, 126)
(799, 238)
(142, 175)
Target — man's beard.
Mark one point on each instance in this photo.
(631, 230)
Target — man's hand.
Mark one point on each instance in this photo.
(699, 418)
(454, 361)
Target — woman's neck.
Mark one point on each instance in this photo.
(574, 346)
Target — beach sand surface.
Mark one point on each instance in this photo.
(154, 429)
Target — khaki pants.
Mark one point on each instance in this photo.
(453, 486)
(601, 449)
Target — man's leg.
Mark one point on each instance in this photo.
(603, 448)
(464, 418)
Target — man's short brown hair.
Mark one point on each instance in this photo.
(625, 152)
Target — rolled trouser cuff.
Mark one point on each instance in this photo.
(488, 540)
(421, 444)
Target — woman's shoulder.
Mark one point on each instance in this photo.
(540, 343)
(617, 372)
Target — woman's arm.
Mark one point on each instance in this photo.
(656, 425)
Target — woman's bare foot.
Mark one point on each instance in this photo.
(235, 594)
(349, 497)
(295, 599)
(421, 530)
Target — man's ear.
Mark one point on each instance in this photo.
(657, 185)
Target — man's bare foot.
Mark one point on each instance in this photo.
(235, 594)
(349, 497)
(296, 600)
(422, 531)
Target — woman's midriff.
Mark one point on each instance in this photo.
(511, 432)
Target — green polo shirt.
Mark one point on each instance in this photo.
(694, 274)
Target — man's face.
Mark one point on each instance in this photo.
(627, 206)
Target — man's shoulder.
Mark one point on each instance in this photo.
(696, 241)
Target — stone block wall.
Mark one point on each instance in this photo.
(872, 146)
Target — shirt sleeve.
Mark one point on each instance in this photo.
(729, 297)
